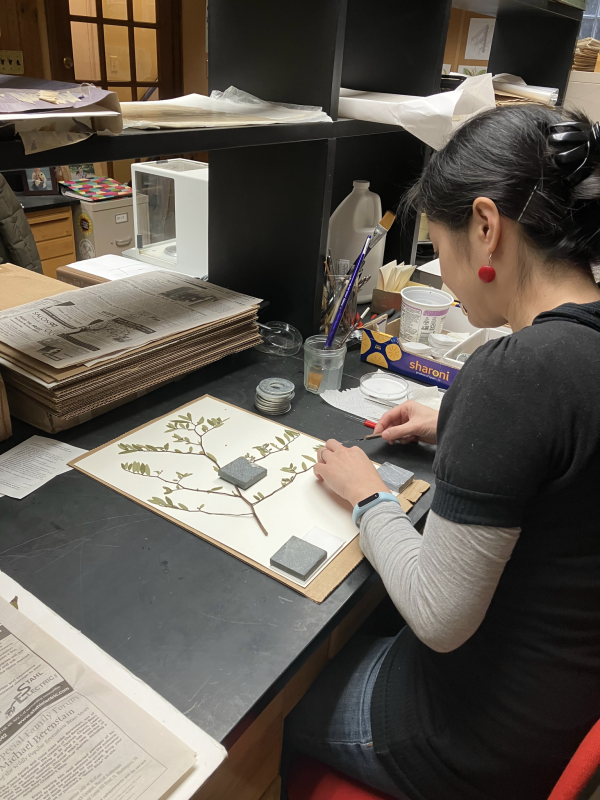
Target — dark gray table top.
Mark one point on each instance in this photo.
(212, 635)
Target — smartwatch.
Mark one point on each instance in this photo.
(370, 502)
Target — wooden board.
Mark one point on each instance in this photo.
(318, 589)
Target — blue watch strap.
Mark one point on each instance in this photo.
(379, 497)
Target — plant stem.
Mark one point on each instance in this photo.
(253, 510)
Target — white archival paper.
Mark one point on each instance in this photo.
(222, 109)
(371, 106)
(434, 119)
(100, 321)
(66, 733)
(354, 402)
(114, 267)
(515, 86)
(33, 463)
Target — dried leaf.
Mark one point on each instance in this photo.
(309, 458)
(212, 458)
(185, 508)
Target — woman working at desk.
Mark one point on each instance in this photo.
(495, 680)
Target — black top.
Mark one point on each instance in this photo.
(519, 446)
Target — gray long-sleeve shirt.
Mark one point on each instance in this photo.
(441, 582)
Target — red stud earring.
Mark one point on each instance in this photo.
(487, 273)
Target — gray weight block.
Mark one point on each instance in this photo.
(298, 558)
(395, 478)
(242, 473)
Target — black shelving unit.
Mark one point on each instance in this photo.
(272, 188)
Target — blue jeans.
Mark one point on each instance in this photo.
(332, 722)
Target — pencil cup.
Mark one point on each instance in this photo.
(323, 369)
(336, 287)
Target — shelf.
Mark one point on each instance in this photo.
(148, 144)
(525, 7)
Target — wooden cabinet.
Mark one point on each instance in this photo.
(251, 769)
(53, 233)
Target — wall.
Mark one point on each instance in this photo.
(456, 42)
(195, 57)
(23, 27)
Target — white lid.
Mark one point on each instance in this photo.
(383, 386)
(416, 348)
(442, 340)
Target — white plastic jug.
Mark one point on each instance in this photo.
(350, 224)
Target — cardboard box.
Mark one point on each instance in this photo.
(384, 350)
(583, 93)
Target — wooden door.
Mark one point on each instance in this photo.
(130, 46)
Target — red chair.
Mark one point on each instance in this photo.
(580, 769)
(312, 780)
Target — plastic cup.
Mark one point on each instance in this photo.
(323, 369)
(424, 311)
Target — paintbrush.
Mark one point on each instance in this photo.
(364, 439)
(380, 231)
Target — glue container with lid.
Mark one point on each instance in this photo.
(440, 343)
(424, 311)
(385, 387)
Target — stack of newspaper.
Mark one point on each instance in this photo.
(68, 357)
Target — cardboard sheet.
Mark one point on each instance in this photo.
(19, 286)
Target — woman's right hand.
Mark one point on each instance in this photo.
(410, 422)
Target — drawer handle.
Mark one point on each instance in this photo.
(123, 242)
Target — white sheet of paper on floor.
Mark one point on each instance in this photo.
(33, 463)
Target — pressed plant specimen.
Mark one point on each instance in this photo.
(188, 440)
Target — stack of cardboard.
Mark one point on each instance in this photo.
(55, 398)
(586, 55)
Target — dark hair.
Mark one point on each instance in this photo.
(504, 154)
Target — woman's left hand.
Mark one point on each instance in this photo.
(347, 471)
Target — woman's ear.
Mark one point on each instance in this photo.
(485, 223)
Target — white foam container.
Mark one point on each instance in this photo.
(475, 340)
(424, 311)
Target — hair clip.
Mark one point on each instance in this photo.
(576, 148)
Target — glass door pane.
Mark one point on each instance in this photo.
(116, 48)
(86, 55)
(83, 8)
(147, 93)
(146, 65)
(144, 10)
(123, 92)
(114, 9)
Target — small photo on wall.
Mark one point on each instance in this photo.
(79, 172)
(40, 180)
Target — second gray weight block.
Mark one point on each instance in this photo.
(298, 558)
